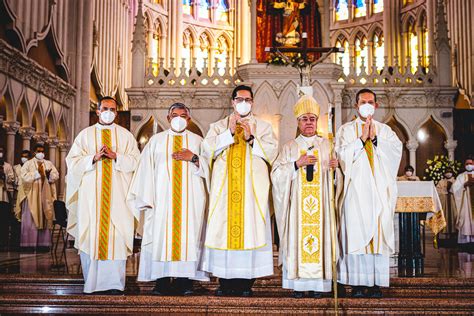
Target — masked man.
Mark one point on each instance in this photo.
(100, 166)
(238, 244)
(369, 153)
(300, 178)
(169, 186)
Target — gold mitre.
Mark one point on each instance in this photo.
(306, 104)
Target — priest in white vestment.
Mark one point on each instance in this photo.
(100, 165)
(446, 197)
(463, 191)
(238, 244)
(302, 209)
(34, 205)
(369, 153)
(169, 185)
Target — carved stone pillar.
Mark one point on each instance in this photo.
(63, 148)
(52, 143)
(26, 135)
(412, 145)
(253, 31)
(40, 137)
(10, 128)
(450, 145)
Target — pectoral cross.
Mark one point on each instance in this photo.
(305, 64)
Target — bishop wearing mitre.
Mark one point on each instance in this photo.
(301, 186)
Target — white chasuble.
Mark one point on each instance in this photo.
(369, 197)
(99, 218)
(172, 194)
(240, 185)
(238, 240)
(464, 199)
(302, 213)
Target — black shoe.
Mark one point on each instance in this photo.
(298, 294)
(162, 287)
(183, 286)
(114, 292)
(314, 294)
(223, 292)
(374, 292)
(247, 293)
(341, 290)
(358, 291)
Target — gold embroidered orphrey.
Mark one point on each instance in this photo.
(310, 236)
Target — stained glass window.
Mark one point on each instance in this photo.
(343, 58)
(204, 11)
(342, 10)
(413, 49)
(186, 51)
(378, 51)
(360, 53)
(222, 54)
(222, 11)
(187, 7)
(378, 6)
(203, 52)
(360, 8)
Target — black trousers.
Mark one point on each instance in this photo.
(236, 284)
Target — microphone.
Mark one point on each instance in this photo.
(309, 169)
(309, 173)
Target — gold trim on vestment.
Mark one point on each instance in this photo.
(311, 217)
(236, 194)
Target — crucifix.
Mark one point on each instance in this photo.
(305, 64)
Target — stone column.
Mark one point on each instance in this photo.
(26, 134)
(450, 145)
(10, 128)
(52, 144)
(412, 145)
(253, 31)
(63, 148)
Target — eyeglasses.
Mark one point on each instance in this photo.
(240, 99)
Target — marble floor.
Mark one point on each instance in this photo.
(442, 262)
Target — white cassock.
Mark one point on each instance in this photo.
(172, 195)
(464, 211)
(303, 216)
(238, 240)
(104, 239)
(369, 198)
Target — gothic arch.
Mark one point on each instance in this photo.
(7, 109)
(162, 24)
(62, 130)
(210, 36)
(37, 120)
(338, 35)
(265, 97)
(407, 21)
(420, 16)
(374, 29)
(23, 114)
(358, 32)
(431, 116)
(51, 126)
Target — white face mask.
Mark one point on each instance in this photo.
(1, 155)
(243, 108)
(366, 109)
(178, 124)
(39, 156)
(24, 159)
(469, 167)
(408, 173)
(107, 117)
(448, 175)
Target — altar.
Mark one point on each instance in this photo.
(417, 200)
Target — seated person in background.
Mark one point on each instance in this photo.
(409, 175)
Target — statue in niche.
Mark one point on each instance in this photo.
(291, 10)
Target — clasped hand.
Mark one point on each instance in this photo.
(105, 152)
(368, 132)
(236, 119)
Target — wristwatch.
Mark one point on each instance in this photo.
(195, 159)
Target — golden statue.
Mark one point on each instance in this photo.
(291, 21)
